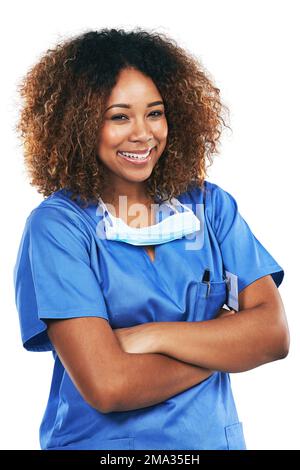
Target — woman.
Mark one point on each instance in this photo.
(124, 267)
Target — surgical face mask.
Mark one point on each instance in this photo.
(172, 227)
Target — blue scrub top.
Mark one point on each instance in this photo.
(66, 268)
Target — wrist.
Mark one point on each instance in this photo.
(153, 337)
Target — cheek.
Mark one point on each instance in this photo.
(162, 131)
(109, 136)
(109, 140)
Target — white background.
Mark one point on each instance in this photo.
(251, 49)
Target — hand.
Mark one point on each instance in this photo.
(224, 313)
(136, 339)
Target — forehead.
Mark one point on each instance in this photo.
(133, 87)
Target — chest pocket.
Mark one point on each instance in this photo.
(209, 300)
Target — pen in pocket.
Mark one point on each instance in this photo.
(206, 279)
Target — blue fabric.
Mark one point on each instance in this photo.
(65, 269)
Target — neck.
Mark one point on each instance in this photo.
(133, 192)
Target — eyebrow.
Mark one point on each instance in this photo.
(123, 105)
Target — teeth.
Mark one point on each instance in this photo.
(135, 155)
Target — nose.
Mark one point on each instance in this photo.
(141, 132)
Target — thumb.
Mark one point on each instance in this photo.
(224, 312)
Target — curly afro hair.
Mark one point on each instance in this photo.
(64, 98)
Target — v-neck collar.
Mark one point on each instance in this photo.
(93, 212)
(147, 254)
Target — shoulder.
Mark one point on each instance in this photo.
(219, 206)
(57, 215)
(210, 194)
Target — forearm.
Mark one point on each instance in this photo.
(235, 343)
(148, 379)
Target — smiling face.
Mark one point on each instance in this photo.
(137, 123)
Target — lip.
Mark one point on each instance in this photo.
(136, 162)
(138, 152)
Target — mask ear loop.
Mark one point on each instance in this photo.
(176, 204)
(186, 208)
(106, 213)
(173, 206)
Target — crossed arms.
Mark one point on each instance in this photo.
(130, 368)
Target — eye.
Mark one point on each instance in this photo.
(115, 118)
(160, 113)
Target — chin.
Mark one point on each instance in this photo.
(137, 179)
(137, 175)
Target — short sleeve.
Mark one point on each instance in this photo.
(53, 277)
(242, 253)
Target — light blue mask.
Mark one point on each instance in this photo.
(172, 227)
